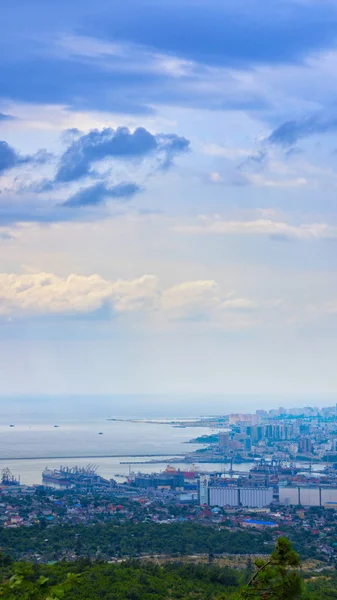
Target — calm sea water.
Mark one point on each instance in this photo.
(34, 443)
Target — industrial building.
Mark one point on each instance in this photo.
(251, 497)
(168, 480)
(307, 496)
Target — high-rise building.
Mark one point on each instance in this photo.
(257, 433)
(305, 445)
(247, 443)
(203, 490)
(256, 419)
(223, 441)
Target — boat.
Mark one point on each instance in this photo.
(70, 476)
(55, 476)
(12, 425)
(100, 433)
(56, 426)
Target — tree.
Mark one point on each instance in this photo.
(27, 584)
(276, 578)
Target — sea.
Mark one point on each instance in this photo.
(50, 431)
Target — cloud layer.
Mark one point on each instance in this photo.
(261, 227)
(48, 294)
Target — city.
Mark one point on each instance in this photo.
(291, 488)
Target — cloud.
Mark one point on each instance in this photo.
(27, 198)
(38, 294)
(71, 134)
(215, 32)
(46, 293)
(6, 235)
(98, 193)
(5, 117)
(200, 299)
(10, 158)
(262, 227)
(290, 132)
(265, 181)
(77, 160)
(134, 56)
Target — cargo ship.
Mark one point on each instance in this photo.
(55, 476)
(74, 476)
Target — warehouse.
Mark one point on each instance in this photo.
(307, 496)
(250, 497)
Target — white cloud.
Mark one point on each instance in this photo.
(313, 231)
(130, 57)
(230, 152)
(196, 297)
(47, 293)
(215, 177)
(263, 181)
(41, 293)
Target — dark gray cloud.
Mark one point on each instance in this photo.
(98, 193)
(290, 132)
(77, 160)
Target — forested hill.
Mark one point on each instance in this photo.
(129, 540)
(275, 578)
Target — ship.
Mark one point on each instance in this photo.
(74, 476)
(55, 476)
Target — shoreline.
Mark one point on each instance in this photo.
(87, 456)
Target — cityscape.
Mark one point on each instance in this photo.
(290, 485)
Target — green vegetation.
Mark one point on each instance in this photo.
(108, 540)
(126, 581)
(277, 578)
(213, 438)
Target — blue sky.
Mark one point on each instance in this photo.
(168, 178)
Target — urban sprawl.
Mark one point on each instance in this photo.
(291, 487)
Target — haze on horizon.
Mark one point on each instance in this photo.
(168, 218)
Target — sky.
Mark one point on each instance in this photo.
(168, 180)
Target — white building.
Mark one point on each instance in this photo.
(307, 496)
(203, 490)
